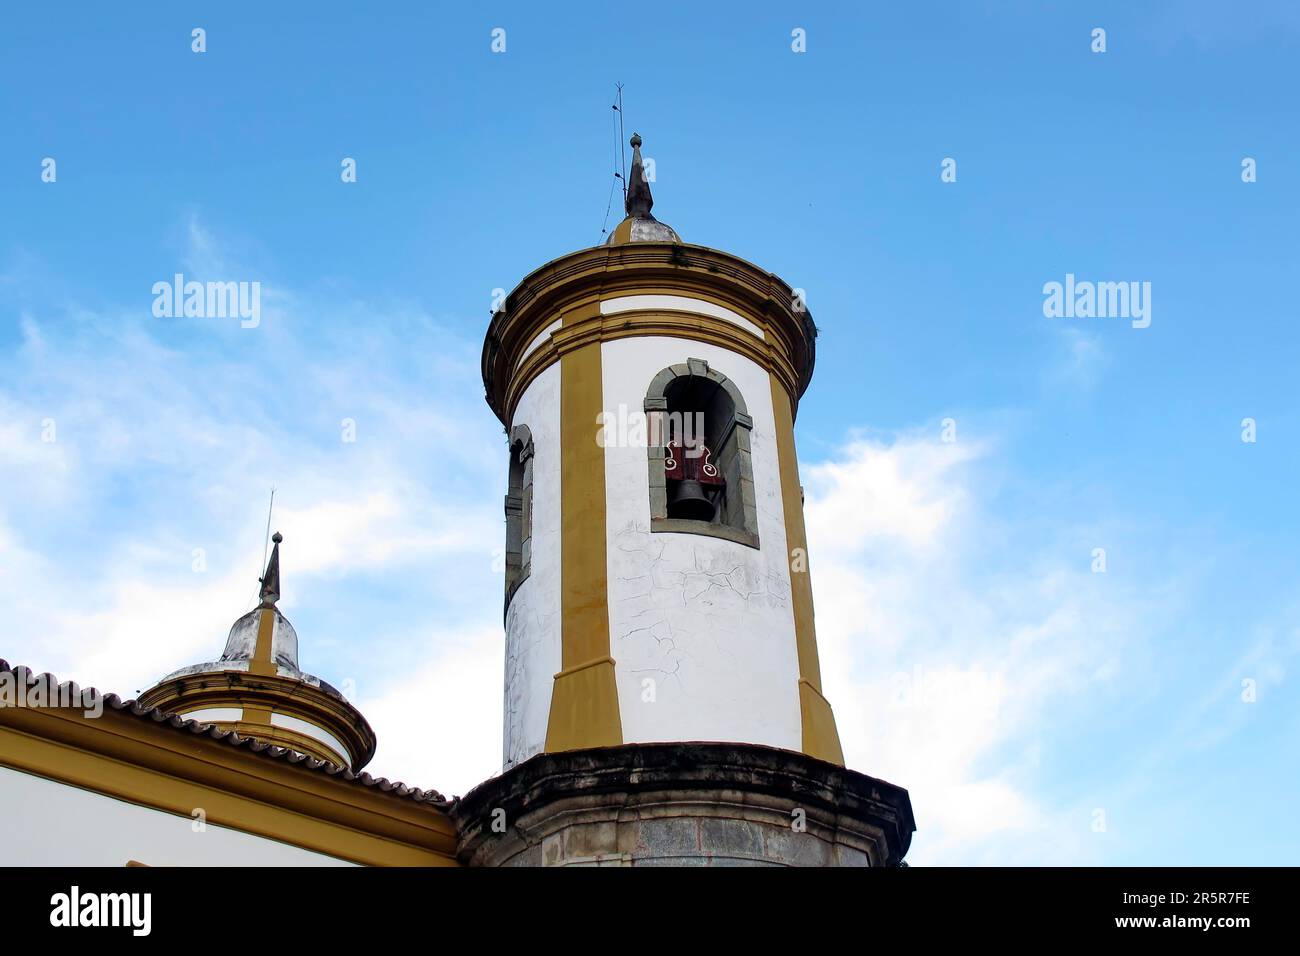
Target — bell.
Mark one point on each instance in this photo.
(688, 500)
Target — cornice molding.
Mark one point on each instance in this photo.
(624, 778)
(270, 693)
(583, 279)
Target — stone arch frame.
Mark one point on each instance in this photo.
(739, 519)
(519, 511)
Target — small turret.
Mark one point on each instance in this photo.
(257, 689)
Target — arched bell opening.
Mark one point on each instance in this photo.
(701, 472)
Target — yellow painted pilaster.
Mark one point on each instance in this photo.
(263, 660)
(584, 701)
(821, 739)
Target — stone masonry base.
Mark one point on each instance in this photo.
(683, 804)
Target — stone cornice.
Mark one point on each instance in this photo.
(659, 772)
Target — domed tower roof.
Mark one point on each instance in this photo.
(257, 689)
(640, 226)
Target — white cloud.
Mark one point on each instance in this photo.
(942, 652)
(442, 722)
(900, 494)
(1081, 360)
(340, 535)
(169, 436)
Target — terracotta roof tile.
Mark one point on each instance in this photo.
(230, 737)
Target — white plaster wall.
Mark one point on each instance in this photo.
(52, 824)
(210, 715)
(710, 621)
(676, 303)
(229, 715)
(533, 621)
(320, 735)
(541, 337)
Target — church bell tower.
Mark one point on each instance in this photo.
(663, 696)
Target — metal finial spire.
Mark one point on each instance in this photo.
(271, 579)
(639, 201)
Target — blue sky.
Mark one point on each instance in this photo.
(971, 653)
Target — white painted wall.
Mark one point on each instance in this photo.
(52, 824)
(676, 303)
(230, 715)
(710, 621)
(318, 734)
(211, 715)
(540, 338)
(533, 621)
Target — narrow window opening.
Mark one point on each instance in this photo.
(519, 511)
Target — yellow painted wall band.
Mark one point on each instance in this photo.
(584, 700)
(820, 737)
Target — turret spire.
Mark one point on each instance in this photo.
(271, 579)
(640, 225)
(639, 201)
